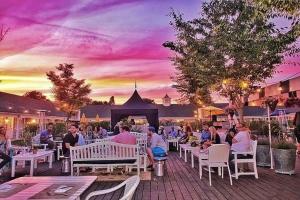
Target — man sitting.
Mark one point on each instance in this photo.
(124, 137)
(205, 134)
(155, 143)
(46, 136)
(70, 139)
(240, 143)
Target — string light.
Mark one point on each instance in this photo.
(244, 85)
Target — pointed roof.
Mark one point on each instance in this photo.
(135, 99)
(167, 96)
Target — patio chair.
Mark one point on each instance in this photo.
(218, 156)
(130, 187)
(246, 157)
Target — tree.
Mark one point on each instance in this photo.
(3, 32)
(281, 7)
(149, 101)
(231, 48)
(70, 94)
(36, 95)
(111, 100)
(99, 103)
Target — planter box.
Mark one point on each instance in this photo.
(284, 161)
(263, 158)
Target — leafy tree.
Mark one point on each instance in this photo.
(111, 100)
(149, 101)
(231, 48)
(70, 94)
(36, 95)
(99, 103)
(281, 7)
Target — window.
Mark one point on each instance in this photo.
(293, 94)
(285, 86)
(262, 93)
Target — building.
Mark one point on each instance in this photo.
(17, 111)
(283, 89)
(166, 111)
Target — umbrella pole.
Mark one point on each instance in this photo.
(270, 136)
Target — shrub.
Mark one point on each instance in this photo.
(59, 129)
(283, 145)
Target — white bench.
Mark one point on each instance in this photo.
(104, 154)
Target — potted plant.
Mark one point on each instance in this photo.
(292, 101)
(263, 157)
(271, 102)
(284, 154)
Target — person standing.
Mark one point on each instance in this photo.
(70, 139)
(4, 147)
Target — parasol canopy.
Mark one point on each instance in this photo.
(97, 118)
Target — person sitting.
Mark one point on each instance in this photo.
(4, 147)
(125, 137)
(103, 132)
(240, 143)
(205, 134)
(231, 133)
(215, 138)
(81, 137)
(155, 144)
(70, 139)
(46, 136)
(187, 136)
(173, 133)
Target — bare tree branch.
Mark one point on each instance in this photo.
(3, 32)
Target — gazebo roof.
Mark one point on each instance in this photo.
(136, 101)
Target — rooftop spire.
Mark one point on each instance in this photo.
(135, 87)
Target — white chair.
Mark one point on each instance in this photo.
(130, 187)
(218, 156)
(251, 158)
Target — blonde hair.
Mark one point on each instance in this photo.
(213, 132)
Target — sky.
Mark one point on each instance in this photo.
(111, 43)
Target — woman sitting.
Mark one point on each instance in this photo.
(187, 136)
(215, 138)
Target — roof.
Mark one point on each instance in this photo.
(135, 102)
(11, 103)
(174, 110)
(254, 111)
(167, 96)
(91, 111)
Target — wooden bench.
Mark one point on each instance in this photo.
(104, 154)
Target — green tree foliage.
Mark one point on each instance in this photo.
(281, 7)
(70, 94)
(36, 95)
(149, 101)
(230, 48)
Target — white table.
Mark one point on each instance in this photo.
(33, 158)
(43, 182)
(174, 141)
(186, 148)
(200, 155)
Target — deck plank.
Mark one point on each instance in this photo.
(181, 182)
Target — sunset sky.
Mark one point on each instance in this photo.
(110, 42)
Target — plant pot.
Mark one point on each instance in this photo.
(263, 157)
(284, 161)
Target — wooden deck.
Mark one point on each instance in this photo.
(182, 182)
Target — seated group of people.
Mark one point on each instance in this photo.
(238, 138)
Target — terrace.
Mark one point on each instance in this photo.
(181, 181)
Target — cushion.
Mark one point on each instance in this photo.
(160, 158)
(126, 161)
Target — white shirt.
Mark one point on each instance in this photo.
(243, 142)
(157, 141)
